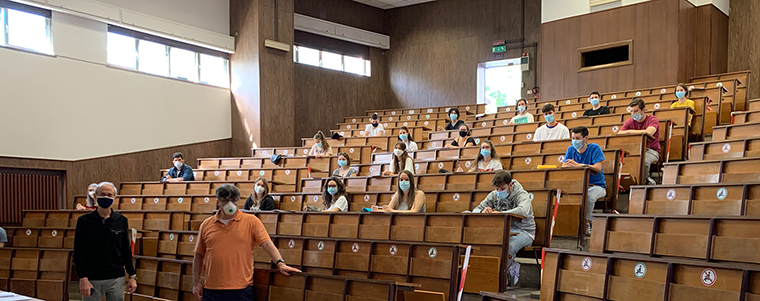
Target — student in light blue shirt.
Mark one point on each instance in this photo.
(582, 154)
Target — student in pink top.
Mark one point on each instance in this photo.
(641, 123)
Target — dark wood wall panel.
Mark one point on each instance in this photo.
(744, 41)
(711, 41)
(139, 166)
(436, 46)
(651, 26)
(246, 115)
(687, 14)
(346, 12)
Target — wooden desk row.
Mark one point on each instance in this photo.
(572, 275)
(709, 238)
(741, 94)
(725, 149)
(430, 123)
(735, 170)
(138, 219)
(745, 116)
(436, 119)
(415, 132)
(361, 154)
(730, 199)
(471, 109)
(38, 273)
(736, 131)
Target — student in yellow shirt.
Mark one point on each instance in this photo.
(681, 90)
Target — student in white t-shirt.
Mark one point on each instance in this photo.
(523, 116)
(374, 128)
(334, 196)
(405, 136)
(401, 160)
(551, 130)
(487, 159)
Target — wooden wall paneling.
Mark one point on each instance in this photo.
(432, 61)
(744, 41)
(346, 12)
(686, 42)
(246, 115)
(711, 41)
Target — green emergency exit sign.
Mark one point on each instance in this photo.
(497, 49)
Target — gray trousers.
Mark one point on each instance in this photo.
(113, 289)
(594, 194)
(650, 157)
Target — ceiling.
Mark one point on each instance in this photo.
(388, 4)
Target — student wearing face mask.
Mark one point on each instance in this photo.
(180, 172)
(407, 198)
(523, 116)
(456, 121)
(464, 139)
(584, 154)
(551, 130)
(510, 197)
(374, 128)
(642, 123)
(334, 196)
(103, 250)
(344, 170)
(90, 203)
(487, 159)
(596, 107)
(401, 160)
(320, 148)
(260, 200)
(682, 101)
(403, 136)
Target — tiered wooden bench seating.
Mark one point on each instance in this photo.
(489, 296)
(572, 275)
(709, 238)
(39, 273)
(360, 154)
(415, 132)
(727, 199)
(740, 91)
(735, 131)
(151, 220)
(725, 149)
(40, 237)
(431, 123)
(469, 109)
(712, 171)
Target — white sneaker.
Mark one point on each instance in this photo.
(514, 272)
(588, 229)
(651, 181)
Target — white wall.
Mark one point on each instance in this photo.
(212, 15)
(552, 10)
(74, 106)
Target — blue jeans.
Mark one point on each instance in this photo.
(517, 242)
(228, 295)
(594, 194)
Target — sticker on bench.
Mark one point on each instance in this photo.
(171, 236)
(505, 122)
(180, 200)
(456, 197)
(321, 245)
(432, 252)
(155, 200)
(390, 118)
(292, 198)
(663, 91)
(614, 96)
(586, 263)
(306, 151)
(628, 109)
(216, 173)
(353, 120)
(691, 88)
(316, 198)
(406, 123)
(355, 248)
(440, 165)
(54, 233)
(342, 133)
(575, 114)
(467, 108)
(291, 244)
(722, 193)
(393, 250)
(351, 150)
(371, 168)
(408, 118)
(133, 200)
(28, 232)
(531, 196)
(638, 93)
(205, 200)
(657, 106)
(502, 138)
(261, 173)
(561, 159)
(477, 140)
(192, 238)
(239, 172)
(366, 197)
(640, 270)
(393, 113)
(434, 144)
(385, 124)
(426, 123)
(719, 85)
(468, 164)
(615, 129)
(483, 124)
(708, 277)
(567, 102)
(529, 136)
(509, 109)
(287, 172)
(671, 194)
(285, 152)
(726, 147)
(416, 166)
(265, 152)
(528, 160)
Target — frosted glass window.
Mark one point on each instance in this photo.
(308, 56)
(354, 65)
(184, 64)
(214, 71)
(28, 31)
(122, 50)
(152, 58)
(332, 61)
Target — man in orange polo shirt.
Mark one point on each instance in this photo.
(225, 251)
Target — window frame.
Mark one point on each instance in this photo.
(297, 60)
(5, 6)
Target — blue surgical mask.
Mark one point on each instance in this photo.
(104, 202)
(485, 153)
(342, 163)
(594, 101)
(403, 137)
(332, 190)
(549, 118)
(578, 144)
(504, 194)
(522, 108)
(453, 117)
(404, 185)
(680, 94)
(637, 116)
(319, 144)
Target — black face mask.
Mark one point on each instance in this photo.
(462, 133)
(375, 124)
(105, 202)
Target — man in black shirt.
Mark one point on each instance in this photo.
(103, 250)
(596, 108)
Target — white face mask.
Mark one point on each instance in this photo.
(177, 164)
(398, 152)
(92, 193)
(258, 189)
(229, 208)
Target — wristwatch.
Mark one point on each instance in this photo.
(278, 261)
(133, 277)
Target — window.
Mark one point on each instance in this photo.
(28, 30)
(330, 60)
(499, 84)
(163, 57)
(605, 56)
